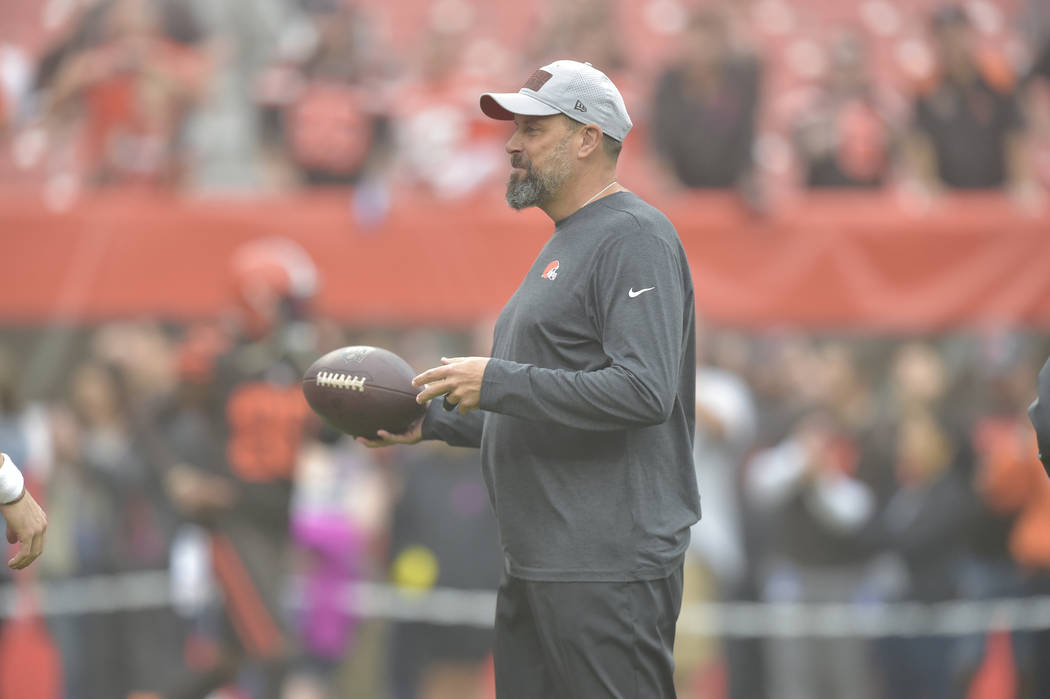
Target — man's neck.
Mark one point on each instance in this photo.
(574, 196)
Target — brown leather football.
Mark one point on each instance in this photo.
(362, 389)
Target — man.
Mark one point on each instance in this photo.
(705, 108)
(967, 131)
(585, 412)
(842, 131)
(26, 521)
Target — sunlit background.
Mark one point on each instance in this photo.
(196, 191)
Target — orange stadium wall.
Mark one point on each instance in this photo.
(828, 261)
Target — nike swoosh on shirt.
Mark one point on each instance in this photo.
(632, 293)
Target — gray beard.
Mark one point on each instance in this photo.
(526, 191)
(536, 188)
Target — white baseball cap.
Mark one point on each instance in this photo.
(578, 90)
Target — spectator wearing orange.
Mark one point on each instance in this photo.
(445, 146)
(1008, 542)
(967, 130)
(132, 73)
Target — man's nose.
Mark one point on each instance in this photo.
(514, 143)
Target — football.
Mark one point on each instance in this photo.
(362, 389)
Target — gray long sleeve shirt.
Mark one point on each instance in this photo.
(587, 405)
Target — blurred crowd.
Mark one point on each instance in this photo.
(852, 470)
(161, 447)
(753, 96)
(860, 471)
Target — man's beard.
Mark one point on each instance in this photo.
(534, 188)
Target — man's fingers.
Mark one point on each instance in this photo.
(12, 537)
(371, 443)
(38, 545)
(21, 559)
(431, 375)
(433, 390)
(29, 549)
(383, 439)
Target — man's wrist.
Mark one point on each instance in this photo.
(12, 484)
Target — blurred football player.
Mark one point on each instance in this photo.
(233, 473)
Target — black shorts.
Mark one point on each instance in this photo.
(586, 640)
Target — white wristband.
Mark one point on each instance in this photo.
(12, 485)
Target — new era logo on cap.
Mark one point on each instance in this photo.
(561, 87)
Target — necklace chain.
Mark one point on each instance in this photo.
(599, 193)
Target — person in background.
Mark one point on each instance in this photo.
(443, 534)
(1007, 544)
(445, 147)
(325, 111)
(842, 135)
(967, 128)
(924, 524)
(726, 425)
(242, 495)
(1041, 65)
(124, 84)
(103, 518)
(704, 110)
(818, 510)
(584, 28)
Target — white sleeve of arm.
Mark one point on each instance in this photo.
(840, 502)
(775, 474)
(728, 398)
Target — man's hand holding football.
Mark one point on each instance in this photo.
(413, 434)
(458, 378)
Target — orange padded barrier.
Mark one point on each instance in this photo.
(826, 261)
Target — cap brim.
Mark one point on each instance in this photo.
(505, 105)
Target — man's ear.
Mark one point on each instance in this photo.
(590, 140)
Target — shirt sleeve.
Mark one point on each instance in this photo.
(636, 302)
(453, 427)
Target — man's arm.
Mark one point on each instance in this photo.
(451, 426)
(637, 303)
(26, 521)
(455, 428)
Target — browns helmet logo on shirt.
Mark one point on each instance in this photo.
(551, 271)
